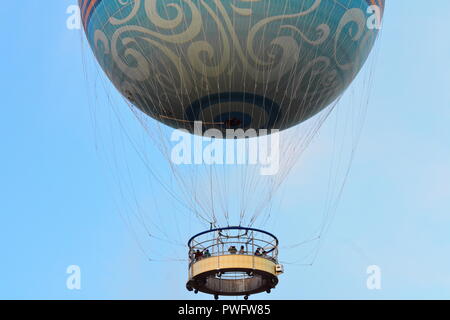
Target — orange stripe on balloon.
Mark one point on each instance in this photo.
(84, 4)
(88, 11)
(378, 3)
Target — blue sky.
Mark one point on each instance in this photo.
(59, 206)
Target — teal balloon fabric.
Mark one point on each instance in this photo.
(259, 64)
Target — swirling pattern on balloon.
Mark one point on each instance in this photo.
(250, 60)
(188, 48)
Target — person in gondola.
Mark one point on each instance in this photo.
(232, 250)
(198, 255)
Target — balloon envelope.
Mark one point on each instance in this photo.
(231, 64)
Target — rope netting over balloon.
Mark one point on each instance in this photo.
(163, 201)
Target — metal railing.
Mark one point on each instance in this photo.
(233, 241)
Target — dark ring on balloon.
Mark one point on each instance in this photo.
(270, 107)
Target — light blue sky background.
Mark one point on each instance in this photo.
(57, 204)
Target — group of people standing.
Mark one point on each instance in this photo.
(201, 254)
(198, 255)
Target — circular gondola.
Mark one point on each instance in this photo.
(233, 261)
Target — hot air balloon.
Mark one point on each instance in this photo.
(231, 64)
